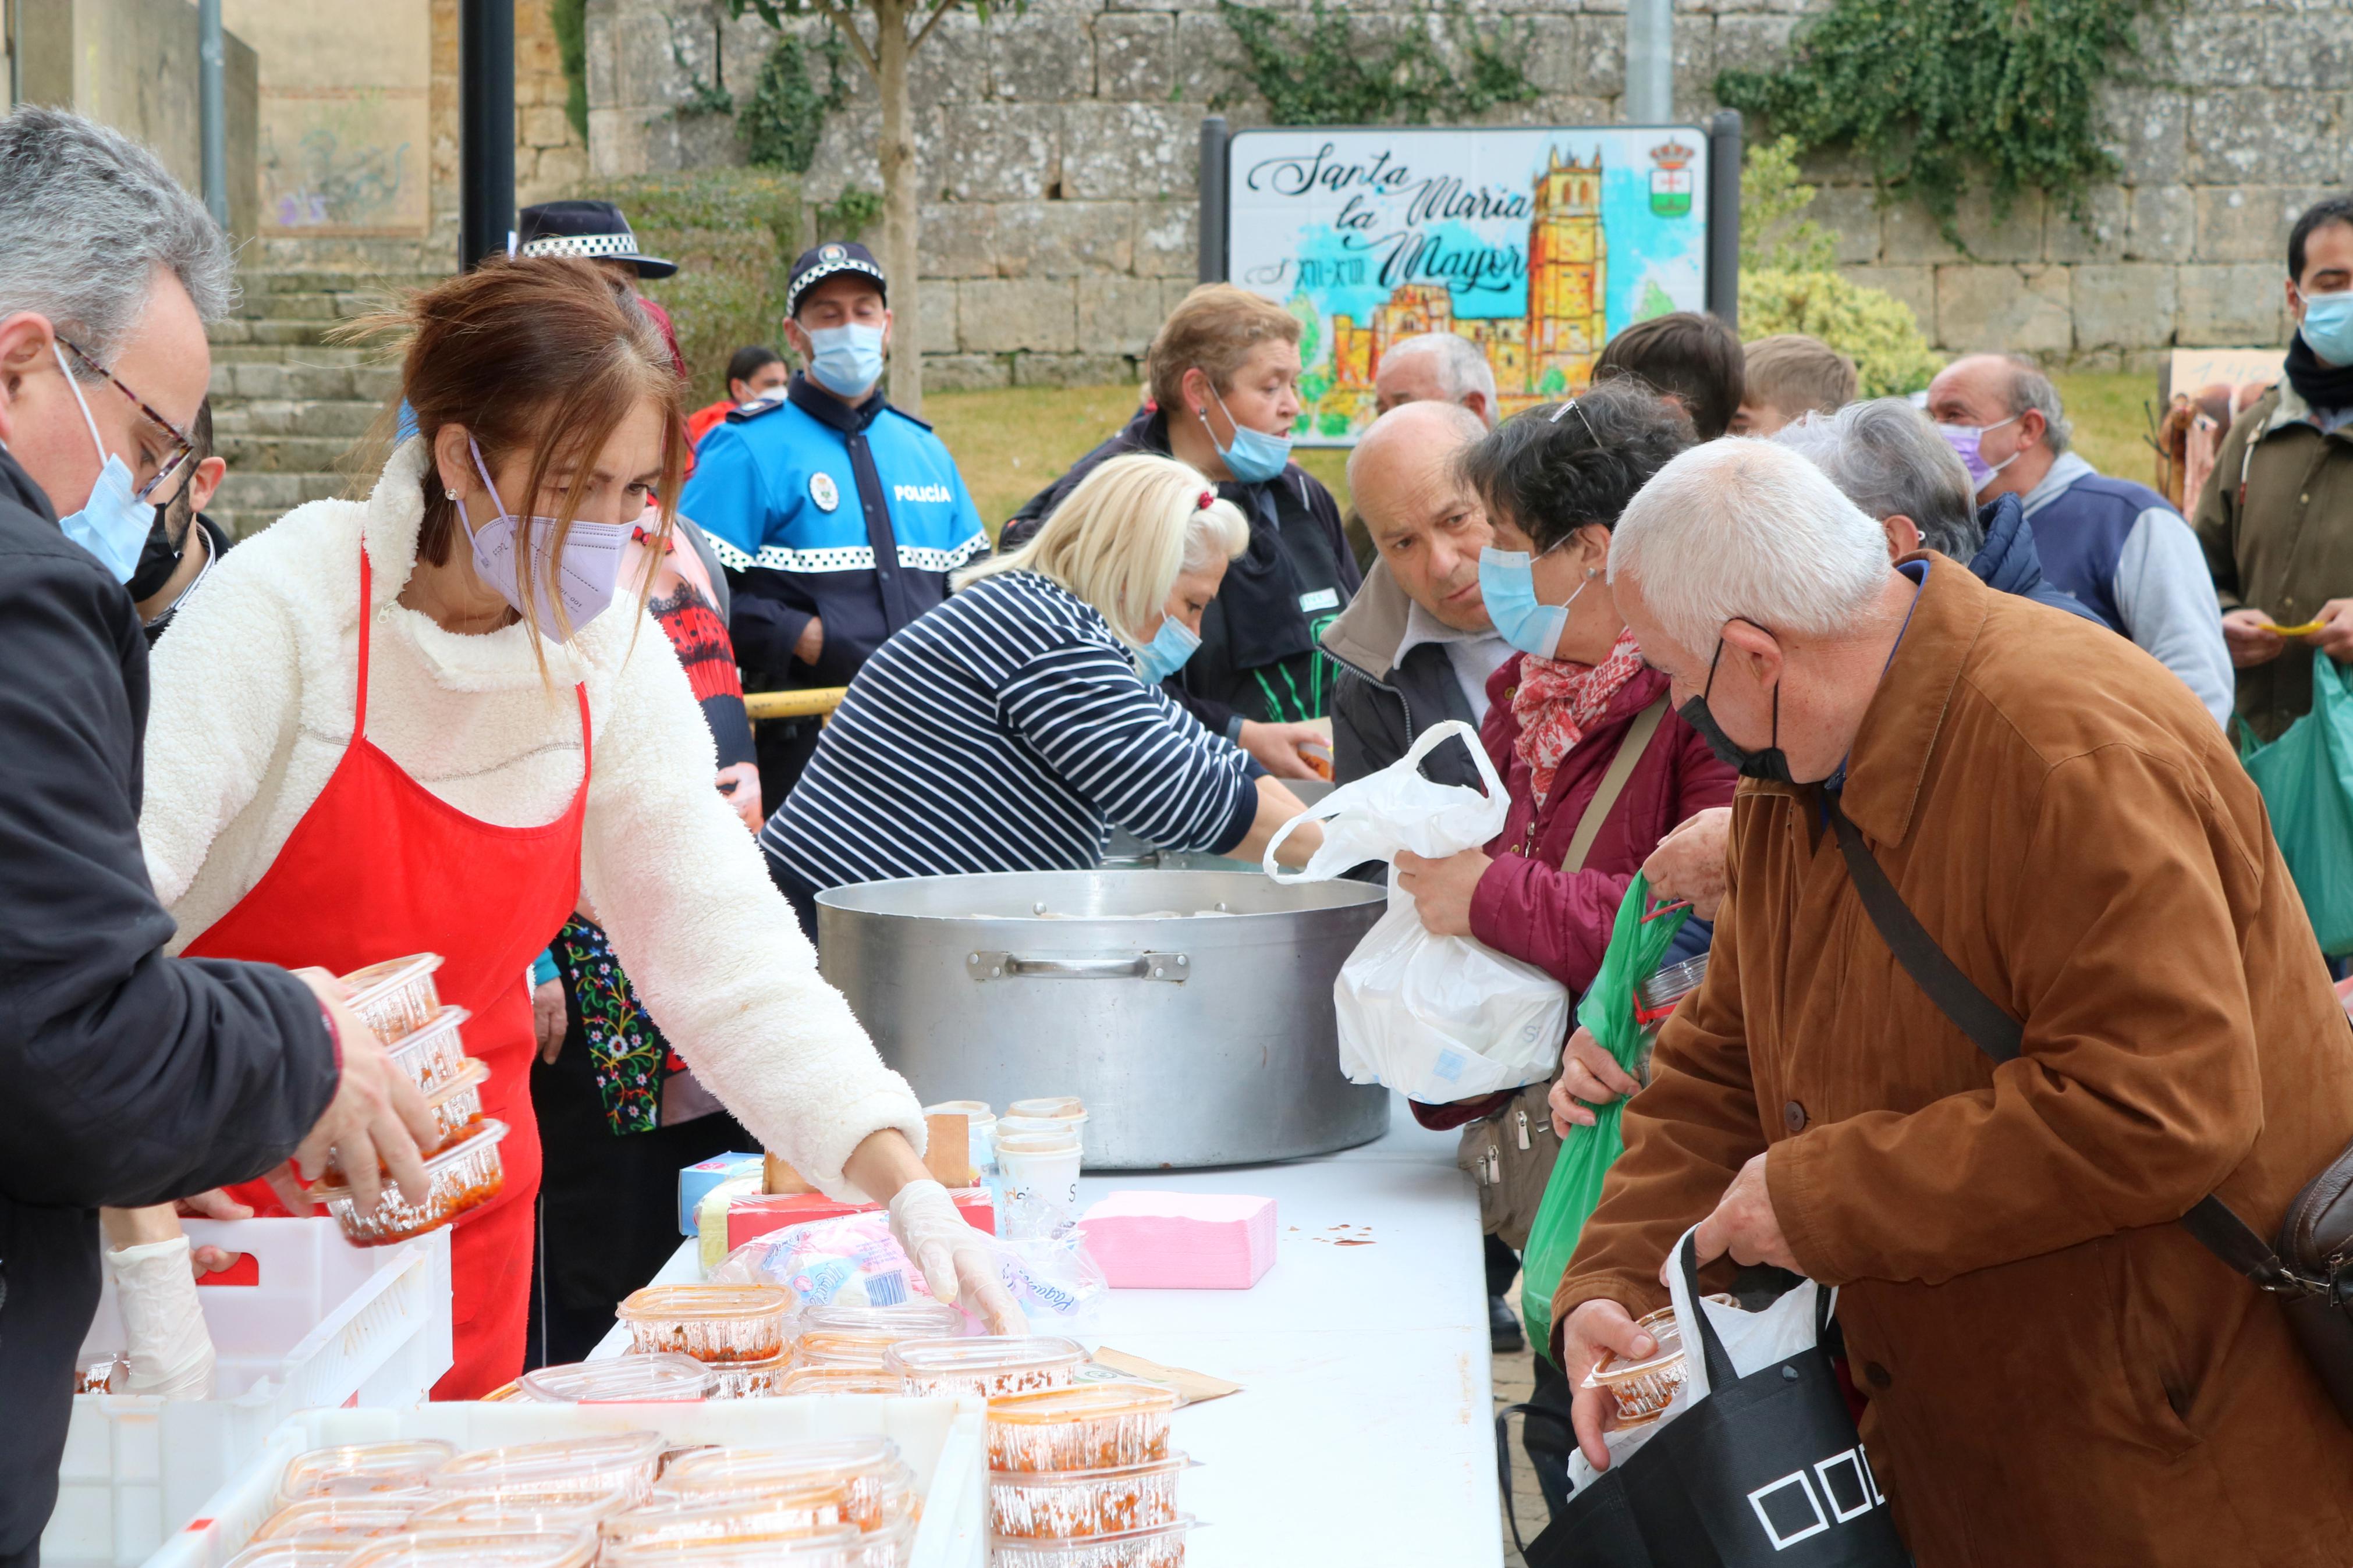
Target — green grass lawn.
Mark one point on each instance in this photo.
(1012, 443)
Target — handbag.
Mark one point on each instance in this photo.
(1510, 1153)
(1765, 1469)
(2310, 1269)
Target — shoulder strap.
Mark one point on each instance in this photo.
(1613, 783)
(1997, 1034)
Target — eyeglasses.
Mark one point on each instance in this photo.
(182, 447)
(1581, 415)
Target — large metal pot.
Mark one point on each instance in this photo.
(1197, 1039)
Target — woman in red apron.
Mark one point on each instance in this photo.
(394, 729)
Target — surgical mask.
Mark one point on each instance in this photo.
(584, 575)
(1964, 439)
(846, 360)
(1769, 763)
(1254, 457)
(113, 524)
(2328, 326)
(158, 558)
(1507, 582)
(1166, 654)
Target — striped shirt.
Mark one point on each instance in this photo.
(1000, 732)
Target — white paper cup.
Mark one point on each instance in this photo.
(1040, 1174)
(980, 1124)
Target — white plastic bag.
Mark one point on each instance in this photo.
(1057, 1283)
(1437, 1017)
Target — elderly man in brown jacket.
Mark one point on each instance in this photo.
(2056, 1372)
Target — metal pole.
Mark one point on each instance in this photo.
(1650, 62)
(486, 75)
(1724, 142)
(212, 108)
(1213, 199)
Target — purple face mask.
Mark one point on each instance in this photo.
(584, 575)
(1964, 439)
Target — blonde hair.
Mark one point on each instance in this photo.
(1212, 330)
(1123, 536)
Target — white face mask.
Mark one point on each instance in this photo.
(584, 575)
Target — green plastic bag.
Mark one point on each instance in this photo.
(2306, 777)
(1587, 1154)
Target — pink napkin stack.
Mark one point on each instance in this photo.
(1181, 1241)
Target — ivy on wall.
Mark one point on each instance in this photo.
(1940, 93)
(1322, 71)
(785, 116)
(568, 19)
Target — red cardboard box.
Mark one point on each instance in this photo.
(757, 1214)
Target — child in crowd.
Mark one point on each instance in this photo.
(1689, 357)
(1788, 377)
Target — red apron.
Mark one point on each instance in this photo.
(379, 867)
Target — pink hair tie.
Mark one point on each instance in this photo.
(1208, 500)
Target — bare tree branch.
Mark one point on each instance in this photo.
(939, 9)
(840, 16)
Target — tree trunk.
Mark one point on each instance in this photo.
(900, 211)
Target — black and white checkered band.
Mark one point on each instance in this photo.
(587, 246)
(825, 269)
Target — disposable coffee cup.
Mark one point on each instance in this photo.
(1062, 1107)
(980, 1124)
(1040, 1174)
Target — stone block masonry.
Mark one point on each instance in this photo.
(1057, 152)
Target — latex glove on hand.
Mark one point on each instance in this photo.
(959, 1263)
(169, 1350)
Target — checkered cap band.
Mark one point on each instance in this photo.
(585, 246)
(825, 269)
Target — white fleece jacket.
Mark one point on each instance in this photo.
(252, 710)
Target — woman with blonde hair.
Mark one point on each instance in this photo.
(1005, 728)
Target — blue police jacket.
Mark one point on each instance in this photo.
(854, 516)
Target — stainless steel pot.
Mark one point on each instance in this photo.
(1197, 1039)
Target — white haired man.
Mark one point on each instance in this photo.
(2057, 1371)
(2118, 547)
(134, 1078)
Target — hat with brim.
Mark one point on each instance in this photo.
(586, 231)
(832, 259)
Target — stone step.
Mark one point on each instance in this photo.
(238, 331)
(345, 417)
(245, 352)
(281, 379)
(282, 454)
(248, 501)
(258, 284)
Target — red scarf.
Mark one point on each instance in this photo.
(1557, 700)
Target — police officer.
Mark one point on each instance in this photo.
(839, 517)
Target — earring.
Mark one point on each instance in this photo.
(449, 494)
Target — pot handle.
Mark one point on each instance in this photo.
(1173, 967)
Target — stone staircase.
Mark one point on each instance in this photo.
(287, 405)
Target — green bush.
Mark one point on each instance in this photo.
(783, 122)
(1871, 326)
(734, 234)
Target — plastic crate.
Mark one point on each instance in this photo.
(322, 1323)
(943, 1440)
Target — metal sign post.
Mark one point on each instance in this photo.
(485, 111)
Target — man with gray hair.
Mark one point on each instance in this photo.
(2117, 546)
(2067, 824)
(134, 1078)
(1436, 367)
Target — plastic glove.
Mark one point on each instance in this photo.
(959, 1263)
(171, 1351)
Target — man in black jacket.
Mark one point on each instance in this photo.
(133, 1079)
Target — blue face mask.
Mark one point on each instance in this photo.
(1255, 456)
(2328, 326)
(848, 361)
(1166, 654)
(1507, 582)
(113, 523)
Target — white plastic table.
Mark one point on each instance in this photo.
(1363, 1434)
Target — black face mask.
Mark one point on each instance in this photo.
(1769, 765)
(158, 558)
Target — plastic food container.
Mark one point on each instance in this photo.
(892, 1546)
(866, 1474)
(396, 998)
(1656, 997)
(522, 1549)
(347, 1517)
(295, 1554)
(1158, 1546)
(457, 1103)
(773, 1515)
(986, 1364)
(502, 1513)
(363, 1470)
(571, 1466)
(837, 1548)
(863, 1348)
(1058, 1503)
(748, 1379)
(1644, 1388)
(432, 1054)
(922, 1319)
(711, 1322)
(839, 1380)
(465, 1175)
(1092, 1427)
(622, 1380)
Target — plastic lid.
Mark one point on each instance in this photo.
(706, 1303)
(982, 1355)
(1109, 1474)
(1038, 1142)
(919, 1319)
(972, 1110)
(1117, 1538)
(358, 1469)
(1081, 1402)
(502, 1513)
(620, 1380)
(772, 1513)
(468, 1076)
(356, 1516)
(573, 1465)
(821, 1463)
(1663, 1328)
(365, 985)
(1067, 1107)
(294, 1554)
(472, 1141)
(520, 1549)
(427, 1036)
(840, 1380)
(822, 1548)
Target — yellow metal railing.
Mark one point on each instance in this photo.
(817, 702)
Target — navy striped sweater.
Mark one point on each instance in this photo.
(1001, 732)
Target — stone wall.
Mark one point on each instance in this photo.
(1057, 151)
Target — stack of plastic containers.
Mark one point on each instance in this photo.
(398, 1001)
(1083, 1477)
(745, 1341)
(744, 1334)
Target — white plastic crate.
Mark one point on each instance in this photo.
(326, 1324)
(943, 1440)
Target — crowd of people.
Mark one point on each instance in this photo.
(1714, 621)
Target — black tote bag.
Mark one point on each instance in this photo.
(1766, 1472)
